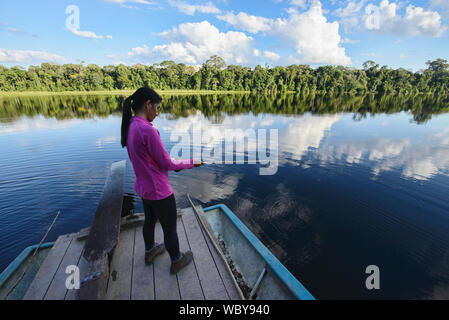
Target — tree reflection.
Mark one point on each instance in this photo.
(422, 107)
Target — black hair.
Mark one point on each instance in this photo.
(136, 101)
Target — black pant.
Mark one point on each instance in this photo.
(165, 211)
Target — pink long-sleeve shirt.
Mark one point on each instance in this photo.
(150, 160)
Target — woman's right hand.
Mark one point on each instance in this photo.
(198, 163)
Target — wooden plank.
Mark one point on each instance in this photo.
(57, 289)
(165, 284)
(208, 274)
(46, 272)
(104, 233)
(132, 222)
(142, 286)
(188, 281)
(226, 275)
(96, 290)
(229, 281)
(105, 229)
(83, 266)
(83, 234)
(119, 285)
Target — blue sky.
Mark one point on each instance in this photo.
(274, 32)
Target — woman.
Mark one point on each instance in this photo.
(151, 164)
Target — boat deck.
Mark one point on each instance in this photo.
(206, 278)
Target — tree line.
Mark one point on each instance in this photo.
(215, 75)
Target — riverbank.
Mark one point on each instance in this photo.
(114, 92)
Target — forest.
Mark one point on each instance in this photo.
(214, 74)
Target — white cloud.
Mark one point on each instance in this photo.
(372, 54)
(20, 32)
(291, 59)
(416, 22)
(403, 56)
(28, 56)
(441, 4)
(249, 23)
(194, 43)
(88, 34)
(85, 34)
(271, 55)
(300, 3)
(315, 39)
(349, 41)
(350, 14)
(190, 9)
(125, 3)
(132, 1)
(351, 9)
(385, 19)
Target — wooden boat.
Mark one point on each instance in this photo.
(230, 263)
(14, 271)
(261, 276)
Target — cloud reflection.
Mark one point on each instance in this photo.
(206, 185)
(26, 124)
(106, 140)
(420, 157)
(306, 132)
(416, 160)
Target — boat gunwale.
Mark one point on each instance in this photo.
(17, 262)
(293, 284)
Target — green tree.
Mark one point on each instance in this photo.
(217, 62)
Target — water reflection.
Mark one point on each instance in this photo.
(422, 108)
(420, 157)
(352, 188)
(306, 132)
(207, 186)
(25, 124)
(416, 156)
(100, 142)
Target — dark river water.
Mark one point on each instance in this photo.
(351, 189)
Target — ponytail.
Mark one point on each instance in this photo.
(126, 119)
(138, 99)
